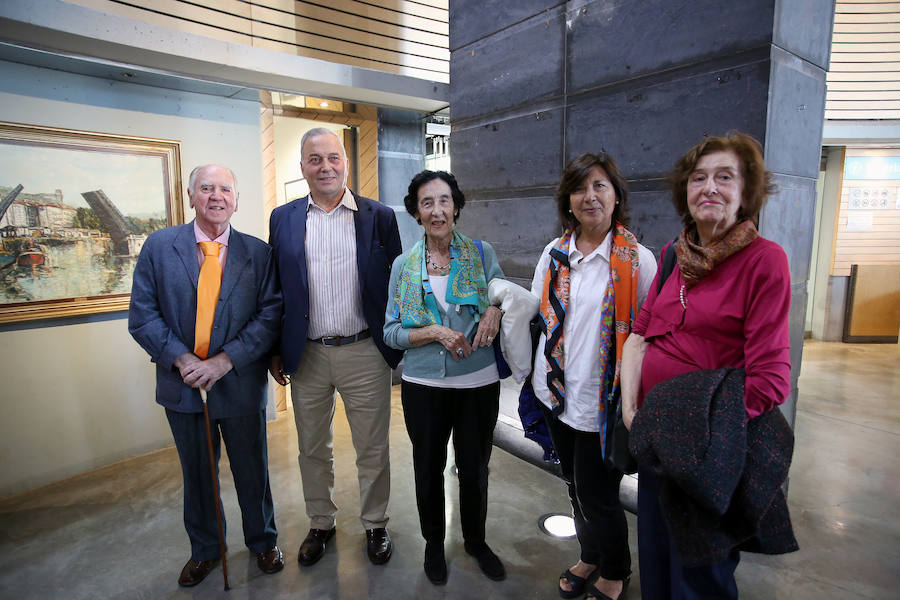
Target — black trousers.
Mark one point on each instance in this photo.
(245, 441)
(663, 577)
(431, 415)
(594, 491)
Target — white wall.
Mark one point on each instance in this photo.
(79, 393)
(825, 319)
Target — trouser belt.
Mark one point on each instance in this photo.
(343, 341)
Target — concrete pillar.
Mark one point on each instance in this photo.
(401, 154)
(540, 81)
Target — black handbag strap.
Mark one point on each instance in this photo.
(668, 264)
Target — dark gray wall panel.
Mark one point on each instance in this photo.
(653, 218)
(410, 231)
(796, 106)
(788, 219)
(516, 153)
(471, 20)
(797, 317)
(517, 228)
(794, 33)
(401, 154)
(611, 40)
(837, 300)
(646, 130)
(522, 64)
(401, 131)
(394, 175)
(797, 324)
(645, 81)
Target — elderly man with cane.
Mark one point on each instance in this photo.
(206, 306)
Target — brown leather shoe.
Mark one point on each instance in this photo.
(270, 561)
(313, 547)
(195, 571)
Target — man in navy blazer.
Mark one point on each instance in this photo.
(246, 323)
(333, 251)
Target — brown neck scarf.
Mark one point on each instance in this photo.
(696, 262)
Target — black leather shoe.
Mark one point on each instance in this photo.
(488, 562)
(195, 571)
(435, 564)
(378, 545)
(313, 547)
(270, 561)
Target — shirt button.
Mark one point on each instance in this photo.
(441, 353)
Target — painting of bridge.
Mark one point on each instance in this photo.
(75, 209)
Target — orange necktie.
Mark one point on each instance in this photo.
(207, 296)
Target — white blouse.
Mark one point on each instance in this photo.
(589, 277)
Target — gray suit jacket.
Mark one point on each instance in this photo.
(247, 322)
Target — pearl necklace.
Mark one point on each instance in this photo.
(681, 297)
(434, 265)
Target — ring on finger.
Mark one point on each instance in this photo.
(459, 352)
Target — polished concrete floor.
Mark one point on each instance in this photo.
(116, 532)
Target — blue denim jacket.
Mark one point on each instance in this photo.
(432, 360)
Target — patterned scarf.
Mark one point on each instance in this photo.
(619, 311)
(696, 262)
(414, 301)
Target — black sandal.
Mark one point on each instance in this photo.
(577, 583)
(593, 592)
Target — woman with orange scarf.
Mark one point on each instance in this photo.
(591, 282)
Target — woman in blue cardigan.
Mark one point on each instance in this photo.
(438, 313)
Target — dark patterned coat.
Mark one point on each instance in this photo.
(722, 475)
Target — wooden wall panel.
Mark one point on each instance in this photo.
(270, 198)
(865, 61)
(394, 36)
(368, 152)
(283, 11)
(381, 50)
(144, 14)
(874, 311)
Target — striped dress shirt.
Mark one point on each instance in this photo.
(335, 299)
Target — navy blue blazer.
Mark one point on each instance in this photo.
(163, 312)
(377, 244)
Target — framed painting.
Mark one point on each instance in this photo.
(75, 209)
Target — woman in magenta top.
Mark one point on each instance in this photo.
(726, 304)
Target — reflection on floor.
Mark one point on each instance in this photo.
(116, 532)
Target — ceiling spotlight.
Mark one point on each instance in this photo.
(323, 104)
(557, 525)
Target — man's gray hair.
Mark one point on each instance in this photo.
(317, 131)
(192, 178)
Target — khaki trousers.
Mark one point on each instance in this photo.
(362, 378)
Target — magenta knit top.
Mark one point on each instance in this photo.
(736, 316)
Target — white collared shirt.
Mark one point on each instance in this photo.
(588, 280)
(335, 298)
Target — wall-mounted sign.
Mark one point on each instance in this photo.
(872, 198)
(872, 167)
(859, 221)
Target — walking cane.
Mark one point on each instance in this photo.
(215, 482)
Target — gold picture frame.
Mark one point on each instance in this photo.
(75, 207)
